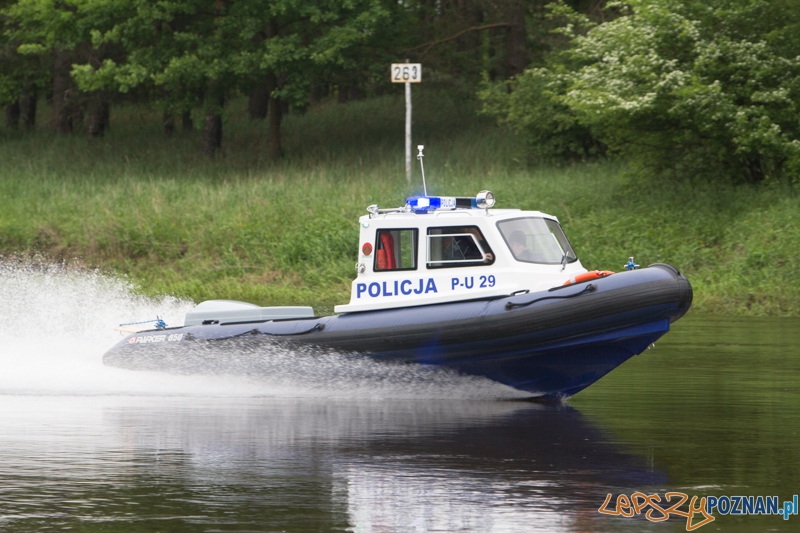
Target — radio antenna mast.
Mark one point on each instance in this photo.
(421, 147)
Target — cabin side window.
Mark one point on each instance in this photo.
(456, 246)
(395, 249)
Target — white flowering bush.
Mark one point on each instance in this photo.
(694, 88)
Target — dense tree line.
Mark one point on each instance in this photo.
(689, 87)
(189, 57)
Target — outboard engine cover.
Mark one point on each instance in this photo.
(227, 311)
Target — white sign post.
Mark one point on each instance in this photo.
(407, 73)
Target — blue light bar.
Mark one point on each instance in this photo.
(423, 204)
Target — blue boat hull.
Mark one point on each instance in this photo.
(550, 343)
(563, 368)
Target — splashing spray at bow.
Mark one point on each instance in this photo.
(57, 321)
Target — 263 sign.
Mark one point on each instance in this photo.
(406, 72)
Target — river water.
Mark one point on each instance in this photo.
(335, 444)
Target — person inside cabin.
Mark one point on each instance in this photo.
(517, 242)
(465, 247)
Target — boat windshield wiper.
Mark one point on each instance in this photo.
(563, 252)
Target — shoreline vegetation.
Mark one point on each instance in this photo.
(246, 226)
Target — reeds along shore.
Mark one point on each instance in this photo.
(248, 227)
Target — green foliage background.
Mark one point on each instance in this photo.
(666, 130)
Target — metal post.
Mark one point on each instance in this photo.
(408, 131)
(422, 169)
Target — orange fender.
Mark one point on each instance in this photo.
(588, 276)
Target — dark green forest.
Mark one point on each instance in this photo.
(190, 58)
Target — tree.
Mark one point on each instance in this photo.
(57, 33)
(707, 88)
(530, 102)
(200, 51)
(465, 38)
(21, 77)
(694, 88)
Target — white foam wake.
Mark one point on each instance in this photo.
(56, 322)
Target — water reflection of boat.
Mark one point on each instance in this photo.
(447, 281)
(306, 464)
(445, 465)
(530, 470)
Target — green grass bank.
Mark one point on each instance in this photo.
(243, 226)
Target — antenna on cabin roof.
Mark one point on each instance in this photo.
(421, 147)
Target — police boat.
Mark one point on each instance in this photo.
(453, 282)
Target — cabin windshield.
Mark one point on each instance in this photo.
(537, 240)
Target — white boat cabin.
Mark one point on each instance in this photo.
(446, 249)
